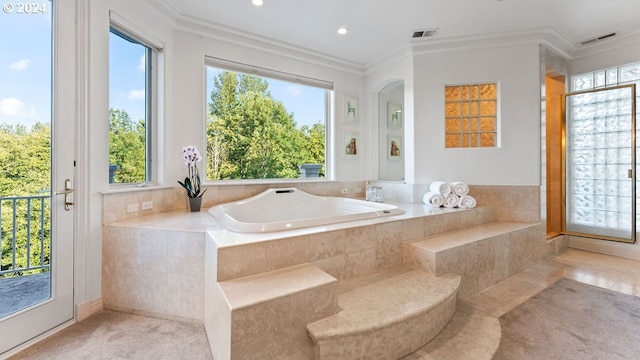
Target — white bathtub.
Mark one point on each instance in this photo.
(290, 208)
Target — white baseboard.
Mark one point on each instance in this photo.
(630, 251)
(88, 308)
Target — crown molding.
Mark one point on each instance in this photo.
(245, 39)
(545, 36)
(389, 59)
(620, 41)
(241, 38)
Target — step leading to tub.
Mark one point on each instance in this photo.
(265, 315)
(483, 254)
(386, 315)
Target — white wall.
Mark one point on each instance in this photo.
(516, 69)
(93, 119)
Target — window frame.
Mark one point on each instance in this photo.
(153, 54)
(329, 93)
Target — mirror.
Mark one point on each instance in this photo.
(391, 132)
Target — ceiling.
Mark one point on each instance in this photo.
(378, 28)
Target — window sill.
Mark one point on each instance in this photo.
(127, 189)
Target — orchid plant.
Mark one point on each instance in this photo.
(191, 183)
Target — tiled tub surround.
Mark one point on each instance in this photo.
(154, 265)
(344, 251)
(181, 244)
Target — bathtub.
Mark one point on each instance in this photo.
(291, 208)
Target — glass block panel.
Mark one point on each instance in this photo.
(583, 82)
(488, 91)
(452, 109)
(475, 124)
(488, 107)
(465, 93)
(474, 108)
(487, 124)
(488, 140)
(451, 125)
(474, 141)
(465, 109)
(475, 92)
(465, 140)
(464, 125)
(452, 93)
(629, 73)
(599, 78)
(452, 140)
(612, 77)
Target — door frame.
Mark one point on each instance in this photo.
(632, 165)
(33, 323)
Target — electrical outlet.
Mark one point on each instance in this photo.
(133, 208)
(147, 205)
(344, 191)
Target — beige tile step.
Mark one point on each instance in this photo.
(388, 316)
(482, 254)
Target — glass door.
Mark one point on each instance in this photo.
(37, 117)
(600, 158)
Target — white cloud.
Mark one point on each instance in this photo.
(142, 65)
(15, 108)
(20, 65)
(136, 94)
(294, 90)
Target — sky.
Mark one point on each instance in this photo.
(25, 73)
(25, 66)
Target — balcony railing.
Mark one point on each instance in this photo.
(25, 234)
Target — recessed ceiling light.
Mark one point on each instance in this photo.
(257, 2)
(342, 30)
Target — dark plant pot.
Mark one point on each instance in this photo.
(195, 203)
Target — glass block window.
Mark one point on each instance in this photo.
(471, 115)
(599, 153)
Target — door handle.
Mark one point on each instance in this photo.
(68, 190)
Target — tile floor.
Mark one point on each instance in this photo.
(474, 331)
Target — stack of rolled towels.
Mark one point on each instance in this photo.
(449, 195)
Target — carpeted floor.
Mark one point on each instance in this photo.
(572, 321)
(111, 336)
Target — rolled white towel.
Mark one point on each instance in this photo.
(451, 200)
(433, 199)
(459, 188)
(440, 187)
(467, 202)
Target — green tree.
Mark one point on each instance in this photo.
(25, 167)
(250, 135)
(127, 147)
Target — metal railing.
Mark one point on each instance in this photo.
(25, 234)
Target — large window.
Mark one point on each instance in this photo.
(263, 124)
(599, 152)
(131, 103)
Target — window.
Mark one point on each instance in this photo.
(471, 115)
(599, 152)
(131, 108)
(263, 124)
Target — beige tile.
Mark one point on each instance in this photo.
(360, 262)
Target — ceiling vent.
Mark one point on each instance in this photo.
(597, 39)
(418, 34)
